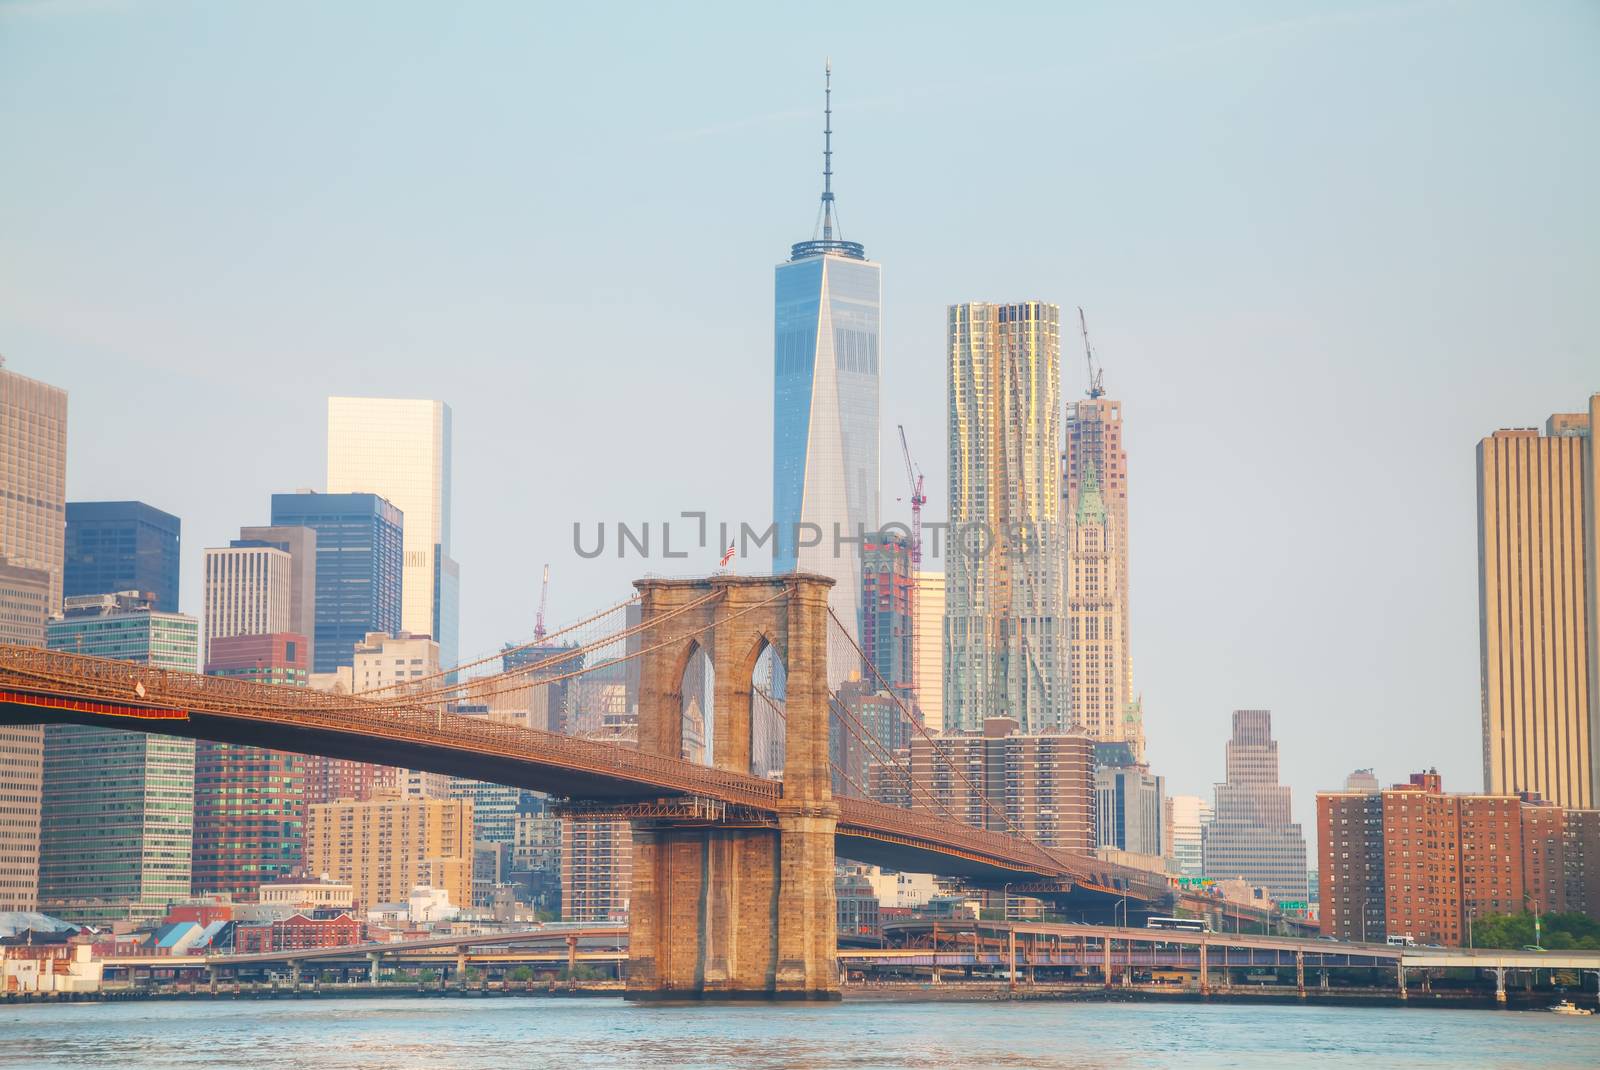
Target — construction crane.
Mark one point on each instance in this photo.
(544, 599)
(918, 500)
(1097, 386)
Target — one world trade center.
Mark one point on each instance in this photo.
(828, 297)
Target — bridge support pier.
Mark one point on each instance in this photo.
(1400, 978)
(1105, 966)
(1300, 973)
(1205, 972)
(737, 907)
(372, 967)
(1499, 984)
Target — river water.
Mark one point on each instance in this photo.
(577, 1034)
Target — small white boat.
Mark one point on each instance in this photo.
(1566, 1006)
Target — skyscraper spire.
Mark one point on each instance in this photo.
(827, 150)
(825, 236)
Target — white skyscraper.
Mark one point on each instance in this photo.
(400, 449)
(248, 591)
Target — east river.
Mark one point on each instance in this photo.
(576, 1034)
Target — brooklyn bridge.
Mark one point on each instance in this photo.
(738, 812)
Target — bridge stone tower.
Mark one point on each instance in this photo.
(728, 906)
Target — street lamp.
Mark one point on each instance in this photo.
(1538, 933)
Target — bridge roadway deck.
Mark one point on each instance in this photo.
(38, 686)
(1237, 949)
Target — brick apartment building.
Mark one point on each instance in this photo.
(1413, 860)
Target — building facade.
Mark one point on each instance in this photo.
(1539, 608)
(596, 870)
(33, 476)
(1094, 493)
(386, 846)
(118, 807)
(33, 494)
(1005, 626)
(1187, 818)
(360, 561)
(888, 607)
(1252, 836)
(827, 303)
(400, 448)
(1097, 621)
(1038, 785)
(24, 610)
(300, 544)
(1414, 861)
(930, 649)
(123, 546)
(1130, 810)
(249, 802)
(247, 590)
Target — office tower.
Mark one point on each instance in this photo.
(930, 649)
(1252, 836)
(1412, 860)
(400, 448)
(1187, 818)
(24, 608)
(1004, 619)
(388, 845)
(888, 599)
(1539, 608)
(33, 476)
(249, 802)
(1094, 493)
(827, 302)
(33, 492)
(247, 590)
(118, 812)
(301, 545)
(358, 572)
(1361, 780)
(1130, 810)
(1038, 785)
(123, 546)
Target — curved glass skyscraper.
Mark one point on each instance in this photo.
(827, 297)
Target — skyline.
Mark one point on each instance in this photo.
(1192, 670)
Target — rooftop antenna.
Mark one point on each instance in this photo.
(827, 150)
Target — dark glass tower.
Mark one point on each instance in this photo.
(359, 557)
(122, 546)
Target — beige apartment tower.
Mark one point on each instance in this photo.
(1539, 619)
(33, 537)
(386, 846)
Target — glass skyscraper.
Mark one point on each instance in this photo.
(828, 299)
(400, 448)
(123, 546)
(118, 808)
(359, 554)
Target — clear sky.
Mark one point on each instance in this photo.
(1324, 249)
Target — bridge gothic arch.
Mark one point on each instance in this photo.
(737, 906)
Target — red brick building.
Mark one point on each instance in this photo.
(1412, 860)
(249, 802)
(298, 933)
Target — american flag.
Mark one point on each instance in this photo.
(727, 555)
